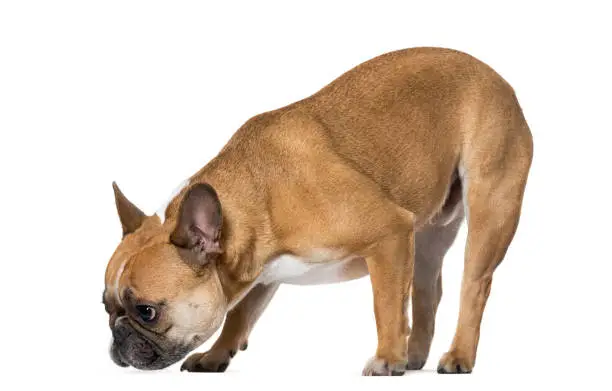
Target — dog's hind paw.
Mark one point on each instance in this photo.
(454, 363)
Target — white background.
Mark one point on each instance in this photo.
(146, 92)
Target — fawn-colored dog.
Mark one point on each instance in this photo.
(373, 174)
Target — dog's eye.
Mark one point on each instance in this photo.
(147, 313)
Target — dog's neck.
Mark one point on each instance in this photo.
(244, 254)
(233, 289)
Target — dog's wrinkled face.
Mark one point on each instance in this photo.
(163, 294)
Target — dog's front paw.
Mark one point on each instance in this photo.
(379, 367)
(211, 361)
(453, 362)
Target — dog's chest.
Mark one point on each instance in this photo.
(320, 269)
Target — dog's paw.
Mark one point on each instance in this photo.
(379, 367)
(415, 363)
(452, 362)
(417, 354)
(211, 361)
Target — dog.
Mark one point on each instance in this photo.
(373, 174)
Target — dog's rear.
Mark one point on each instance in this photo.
(411, 121)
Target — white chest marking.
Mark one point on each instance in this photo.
(290, 269)
(161, 212)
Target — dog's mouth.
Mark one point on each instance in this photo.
(140, 354)
(130, 348)
(116, 357)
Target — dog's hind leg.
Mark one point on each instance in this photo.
(495, 165)
(431, 245)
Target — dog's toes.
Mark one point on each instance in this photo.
(190, 362)
(454, 363)
(211, 361)
(379, 367)
(415, 364)
(417, 351)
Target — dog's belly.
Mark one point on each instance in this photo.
(290, 269)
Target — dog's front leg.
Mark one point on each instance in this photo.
(390, 264)
(234, 336)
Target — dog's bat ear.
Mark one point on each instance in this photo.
(130, 216)
(199, 222)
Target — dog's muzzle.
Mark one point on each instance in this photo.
(130, 348)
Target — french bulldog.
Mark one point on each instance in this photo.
(372, 175)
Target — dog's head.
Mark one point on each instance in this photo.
(163, 294)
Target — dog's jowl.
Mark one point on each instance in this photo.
(373, 174)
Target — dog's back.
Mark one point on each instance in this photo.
(407, 120)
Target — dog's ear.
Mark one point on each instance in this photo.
(199, 222)
(130, 216)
